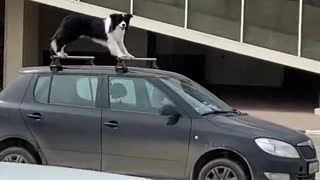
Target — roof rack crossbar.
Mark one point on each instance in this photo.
(57, 66)
(122, 67)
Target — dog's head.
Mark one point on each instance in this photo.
(120, 21)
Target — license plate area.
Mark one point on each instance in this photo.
(313, 167)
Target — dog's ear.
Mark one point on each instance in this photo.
(128, 16)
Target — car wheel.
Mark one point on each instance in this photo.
(17, 155)
(222, 169)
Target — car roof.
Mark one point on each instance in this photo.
(107, 70)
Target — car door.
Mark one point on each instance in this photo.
(61, 112)
(136, 139)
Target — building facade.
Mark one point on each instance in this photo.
(264, 46)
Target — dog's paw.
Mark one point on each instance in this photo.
(62, 55)
(129, 56)
(122, 56)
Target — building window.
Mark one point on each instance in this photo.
(217, 17)
(272, 24)
(120, 5)
(168, 11)
(311, 29)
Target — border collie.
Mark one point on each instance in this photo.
(108, 32)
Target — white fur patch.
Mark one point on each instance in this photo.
(54, 46)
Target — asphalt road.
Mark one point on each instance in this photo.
(316, 141)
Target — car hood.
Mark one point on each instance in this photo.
(257, 128)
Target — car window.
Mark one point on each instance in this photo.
(136, 94)
(41, 91)
(156, 96)
(75, 90)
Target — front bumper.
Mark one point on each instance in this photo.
(297, 169)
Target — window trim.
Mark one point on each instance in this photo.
(97, 104)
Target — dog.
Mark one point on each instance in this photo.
(108, 32)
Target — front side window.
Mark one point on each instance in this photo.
(199, 98)
(74, 90)
(137, 95)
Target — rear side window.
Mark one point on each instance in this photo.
(74, 90)
(41, 91)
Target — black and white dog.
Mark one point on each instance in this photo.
(108, 32)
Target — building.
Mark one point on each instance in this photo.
(252, 53)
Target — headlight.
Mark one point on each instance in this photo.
(277, 148)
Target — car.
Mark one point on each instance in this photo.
(41, 172)
(142, 122)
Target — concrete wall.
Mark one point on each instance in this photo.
(226, 68)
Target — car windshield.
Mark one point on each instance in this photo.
(198, 97)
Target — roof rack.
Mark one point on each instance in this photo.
(56, 65)
(121, 67)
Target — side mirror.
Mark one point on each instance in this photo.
(172, 112)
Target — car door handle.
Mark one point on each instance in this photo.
(113, 124)
(36, 116)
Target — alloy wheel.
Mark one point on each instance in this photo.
(221, 173)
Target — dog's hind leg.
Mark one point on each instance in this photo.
(58, 49)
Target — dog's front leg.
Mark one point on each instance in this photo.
(115, 49)
(124, 49)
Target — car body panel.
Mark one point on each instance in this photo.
(59, 130)
(143, 144)
(160, 149)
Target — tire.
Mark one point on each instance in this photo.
(17, 155)
(224, 169)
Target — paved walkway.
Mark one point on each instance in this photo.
(294, 109)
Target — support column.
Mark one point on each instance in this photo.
(317, 110)
(21, 44)
(31, 34)
(13, 40)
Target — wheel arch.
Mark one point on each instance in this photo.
(23, 143)
(221, 153)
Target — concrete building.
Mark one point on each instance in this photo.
(261, 56)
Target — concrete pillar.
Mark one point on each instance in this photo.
(31, 34)
(13, 40)
(21, 44)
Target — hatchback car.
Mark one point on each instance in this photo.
(145, 122)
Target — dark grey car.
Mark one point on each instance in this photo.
(145, 122)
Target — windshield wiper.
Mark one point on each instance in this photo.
(235, 111)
